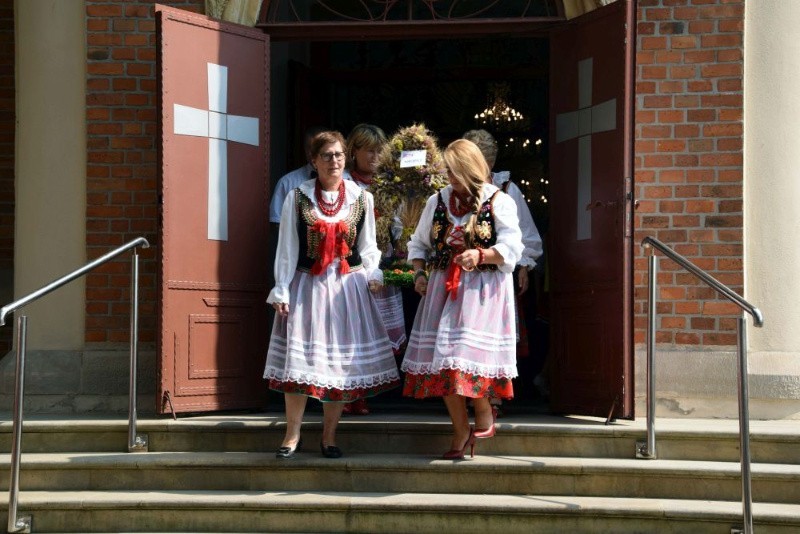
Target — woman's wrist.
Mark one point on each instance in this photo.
(481, 256)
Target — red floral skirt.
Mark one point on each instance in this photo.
(455, 382)
(329, 394)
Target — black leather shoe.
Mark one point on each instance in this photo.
(331, 451)
(288, 452)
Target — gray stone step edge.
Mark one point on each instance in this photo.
(405, 463)
(417, 503)
(690, 429)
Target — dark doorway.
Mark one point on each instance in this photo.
(446, 84)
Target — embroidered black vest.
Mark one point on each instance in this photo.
(310, 238)
(485, 235)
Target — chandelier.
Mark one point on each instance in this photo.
(499, 114)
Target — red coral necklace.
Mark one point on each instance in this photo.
(329, 208)
(464, 205)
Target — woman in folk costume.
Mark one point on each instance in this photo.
(530, 239)
(364, 147)
(463, 343)
(328, 341)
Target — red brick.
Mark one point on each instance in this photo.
(684, 41)
(698, 56)
(721, 40)
(722, 70)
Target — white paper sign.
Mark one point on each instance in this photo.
(412, 158)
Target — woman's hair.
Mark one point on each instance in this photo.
(364, 136)
(325, 138)
(466, 163)
(486, 143)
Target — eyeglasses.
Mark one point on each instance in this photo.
(329, 156)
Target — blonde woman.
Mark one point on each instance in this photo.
(530, 238)
(464, 249)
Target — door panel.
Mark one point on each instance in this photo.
(589, 163)
(214, 230)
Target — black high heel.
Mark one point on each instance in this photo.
(330, 451)
(288, 452)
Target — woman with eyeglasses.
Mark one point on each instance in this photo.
(463, 343)
(328, 341)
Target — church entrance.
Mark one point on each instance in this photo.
(569, 153)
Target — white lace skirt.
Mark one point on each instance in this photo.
(333, 337)
(475, 333)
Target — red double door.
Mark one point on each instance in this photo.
(214, 80)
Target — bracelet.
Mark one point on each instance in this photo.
(420, 272)
(480, 256)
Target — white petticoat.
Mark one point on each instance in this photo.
(475, 333)
(390, 306)
(333, 336)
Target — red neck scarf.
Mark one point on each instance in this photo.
(361, 178)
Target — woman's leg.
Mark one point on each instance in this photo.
(483, 413)
(331, 413)
(457, 408)
(295, 406)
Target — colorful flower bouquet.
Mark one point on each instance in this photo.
(411, 170)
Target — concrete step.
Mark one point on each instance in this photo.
(418, 513)
(533, 435)
(309, 471)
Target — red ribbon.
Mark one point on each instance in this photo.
(453, 280)
(332, 245)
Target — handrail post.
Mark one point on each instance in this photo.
(648, 450)
(135, 443)
(744, 427)
(15, 524)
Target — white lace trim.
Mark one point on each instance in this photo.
(459, 364)
(331, 382)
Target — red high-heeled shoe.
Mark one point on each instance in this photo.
(488, 432)
(456, 454)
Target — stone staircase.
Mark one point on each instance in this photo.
(539, 474)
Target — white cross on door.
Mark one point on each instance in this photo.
(219, 127)
(582, 123)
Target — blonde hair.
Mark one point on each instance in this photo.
(468, 166)
(364, 136)
(485, 142)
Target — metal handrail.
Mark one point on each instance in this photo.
(135, 443)
(648, 449)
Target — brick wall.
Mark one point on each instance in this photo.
(121, 171)
(7, 133)
(688, 161)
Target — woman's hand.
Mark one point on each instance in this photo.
(421, 285)
(468, 259)
(522, 276)
(374, 286)
(282, 308)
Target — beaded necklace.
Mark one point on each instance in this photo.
(464, 205)
(329, 208)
